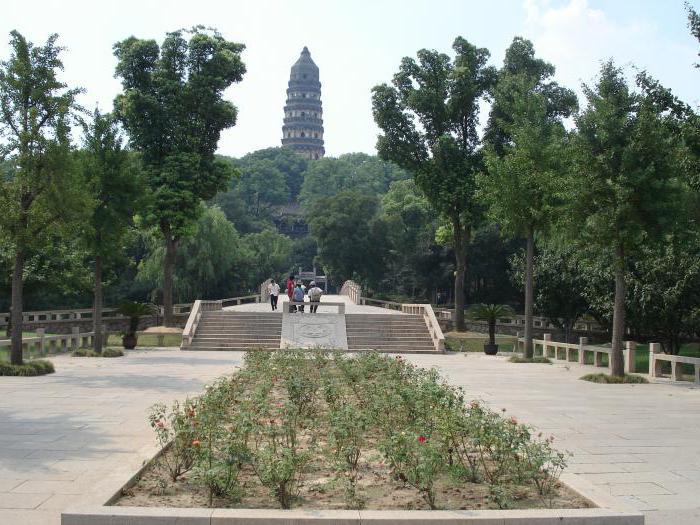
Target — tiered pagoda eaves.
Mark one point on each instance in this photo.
(303, 115)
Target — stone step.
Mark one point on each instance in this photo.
(237, 340)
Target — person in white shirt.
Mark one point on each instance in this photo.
(315, 294)
(274, 290)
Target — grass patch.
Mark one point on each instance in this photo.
(474, 342)
(608, 379)
(148, 340)
(112, 352)
(536, 359)
(37, 367)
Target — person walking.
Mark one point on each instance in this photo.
(315, 294)
(274, 290)
(290, 293)
(299, 297)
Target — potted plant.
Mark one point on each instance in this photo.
(134, 311)
(490, 313)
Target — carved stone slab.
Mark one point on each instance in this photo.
(309, 330)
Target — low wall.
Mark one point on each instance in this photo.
(508, 329)
(111, 325)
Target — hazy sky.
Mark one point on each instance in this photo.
(358, 44)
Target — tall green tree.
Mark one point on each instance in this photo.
(39, 192)
(174, 111)
(112, 183)
(621, 189)
(524, 159)
(352, 238)
(429, 119)
(693, 24)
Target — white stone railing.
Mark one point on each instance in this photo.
(43, 344)
(519, 321)
(352, 290)
(564, 351)
(430, 321)
(264, 292)
(656, 360)
(239, 300)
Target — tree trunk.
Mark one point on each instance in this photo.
(17, 308)
(168, 269)
(529, 289)
(617, 365)
(97, 306)
(492, 331)
(459, 242)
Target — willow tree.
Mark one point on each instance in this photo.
(174, 112)
(525, 152)
(621, 190)
(429, 117)
(39, 190)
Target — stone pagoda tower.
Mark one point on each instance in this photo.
(303, 116)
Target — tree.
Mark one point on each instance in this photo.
(269, 255)
(174, 111)
(693, 24)
(524, 161)
(429, 121)
(260, 185)
(352, 239)
(212, 263)
(113, 186)
(287, 161)
(39, 192)
(561, 291)
(620, 191)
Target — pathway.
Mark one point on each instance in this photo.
(65, 438)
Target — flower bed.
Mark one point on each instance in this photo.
(305, 428)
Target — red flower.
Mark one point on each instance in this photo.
(195, 443)
(160, 424)
(422, 439)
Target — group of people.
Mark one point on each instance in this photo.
(297, 293)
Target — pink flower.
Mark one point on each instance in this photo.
(422, 439)
(160, 423)
(513, 421)
(195, 443)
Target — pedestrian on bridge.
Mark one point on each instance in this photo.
(290, 294)
(315, 294)
(274, 290)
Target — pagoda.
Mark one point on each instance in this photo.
(302, 130)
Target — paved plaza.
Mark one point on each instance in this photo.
(67, 438)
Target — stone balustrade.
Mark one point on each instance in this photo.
(577, 353)
(43, 344)
(352, 290)
(657, 359)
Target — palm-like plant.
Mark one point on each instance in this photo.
(490, 313)
(134, 311)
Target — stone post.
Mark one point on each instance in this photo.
(545, 346)
(74, 340)
(630, 356)
(40, 332)
(676, 371)
(582, 341)
(654, 365)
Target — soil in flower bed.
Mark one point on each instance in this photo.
(321, 490)
(309, 429)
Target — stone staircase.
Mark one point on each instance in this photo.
(226, 330)
(388, 333)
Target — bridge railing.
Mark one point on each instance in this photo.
(354, 292)
(42, 344)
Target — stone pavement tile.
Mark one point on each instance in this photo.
(605, 478)
(672, 501)
(60, 502)
(673, 517)
(13, 500)
(637, 489)
(54, 487)
(7, 484)
(34, 517)
(595, 468)
(691, 474)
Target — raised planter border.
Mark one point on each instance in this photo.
(608, 511)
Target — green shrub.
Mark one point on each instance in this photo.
(35, 367)
(85, 352)
(112, 352)
(609, 379)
